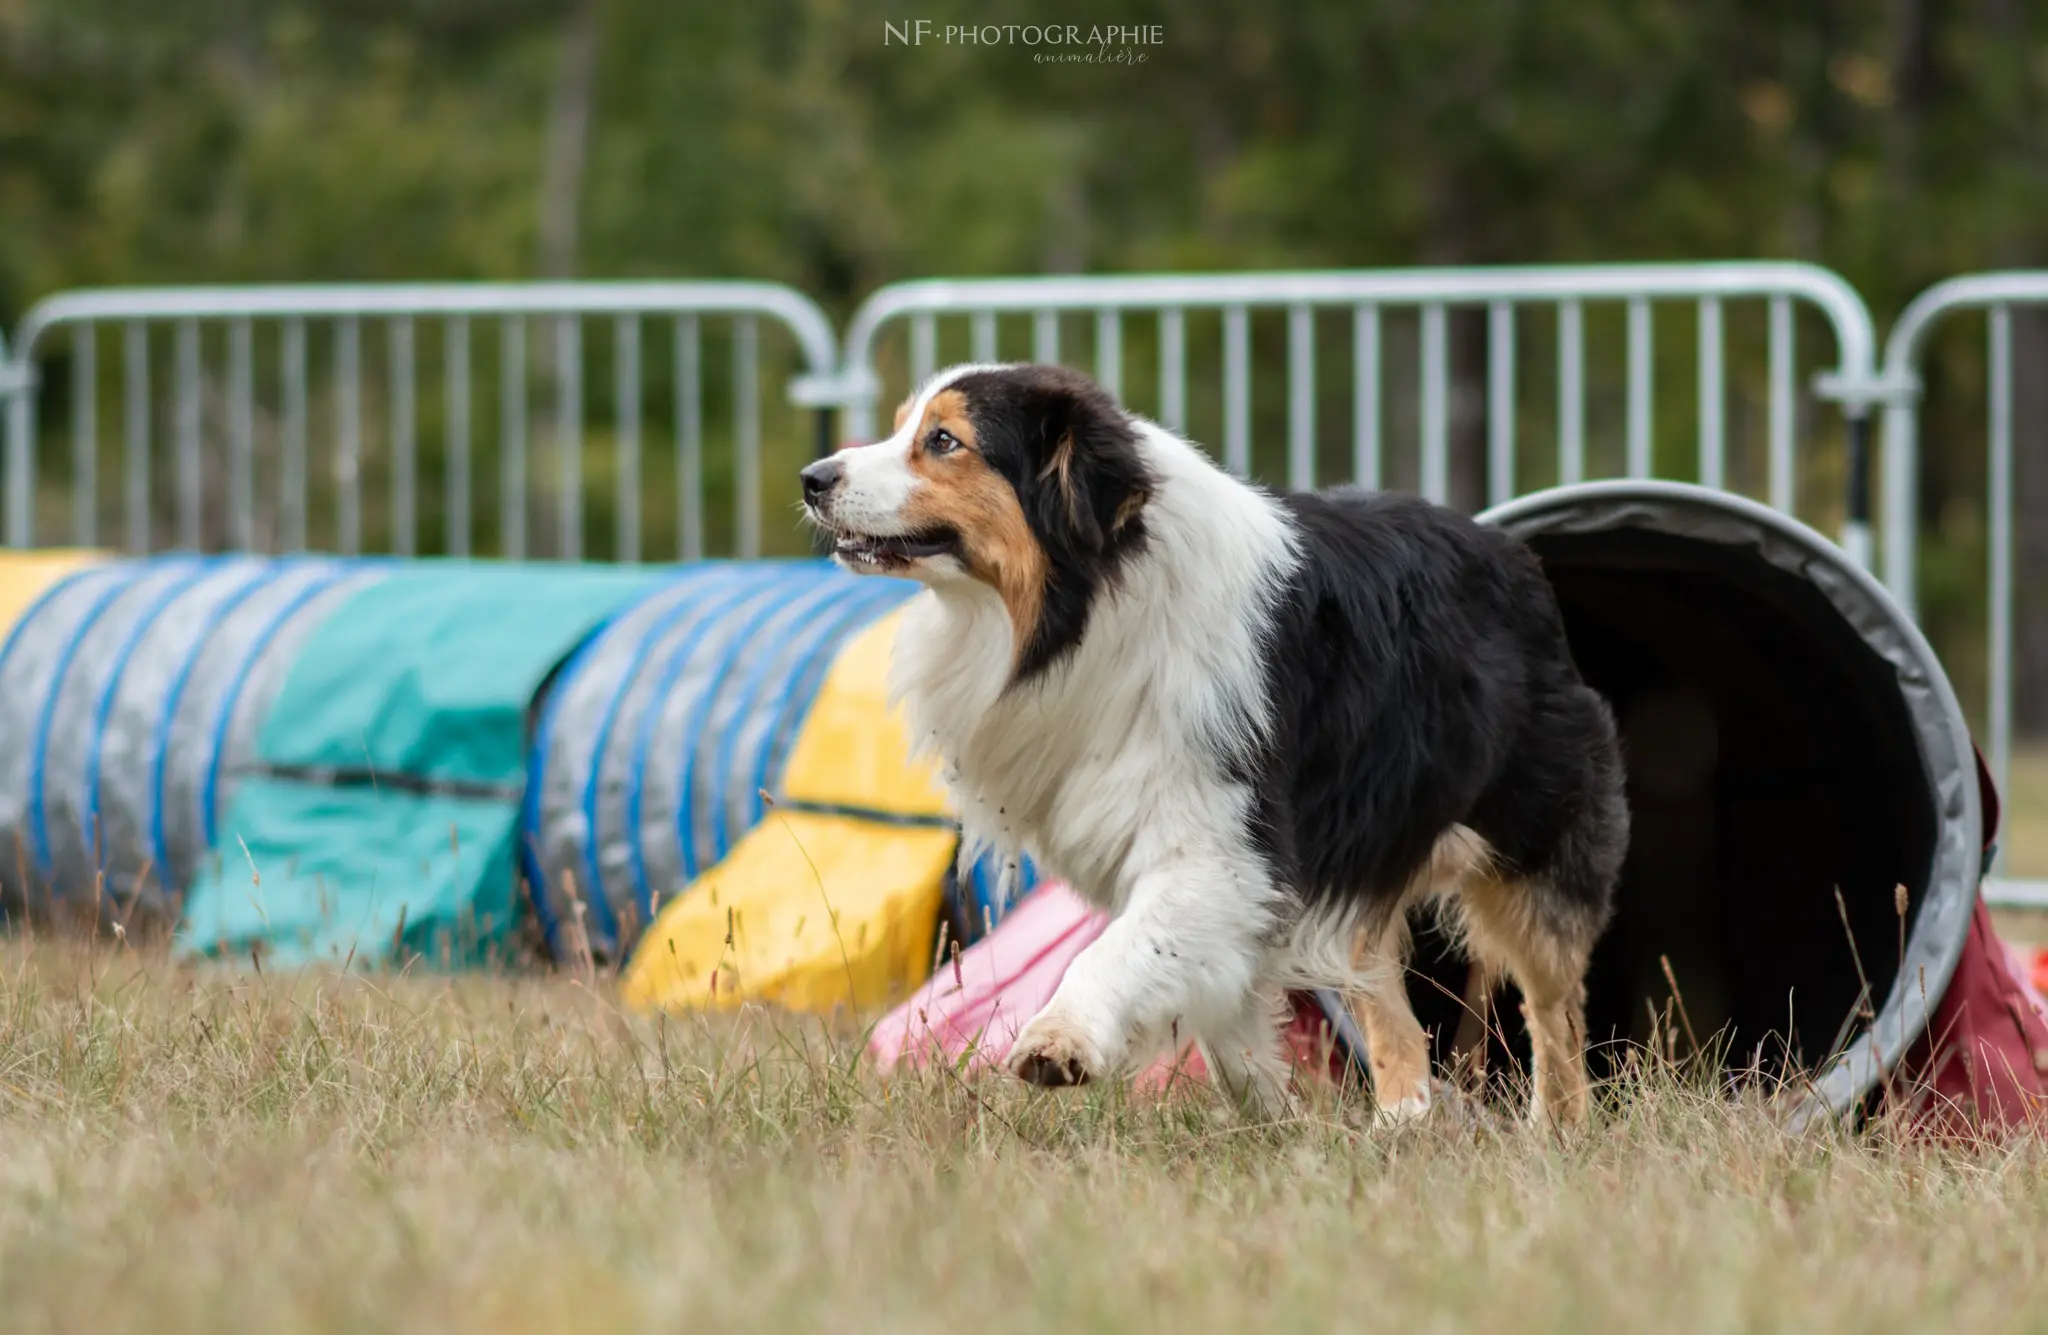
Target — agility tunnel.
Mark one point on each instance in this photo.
(1808, 826)
(363, 761)
(306, 757)
(1789, 735)
(724, 802)
(721, 795)
(693, 775)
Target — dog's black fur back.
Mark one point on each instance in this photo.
(1419, 678)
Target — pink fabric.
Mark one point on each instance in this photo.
(976, 1005)
(2032, 970)
(974, 1008)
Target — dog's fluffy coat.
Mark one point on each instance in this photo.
(1255, 728)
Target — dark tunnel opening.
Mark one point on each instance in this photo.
(1772, 760)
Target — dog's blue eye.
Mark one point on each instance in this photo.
(942, 442)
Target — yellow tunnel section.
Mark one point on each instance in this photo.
(833, 900)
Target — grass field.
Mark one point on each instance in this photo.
(198, 1150)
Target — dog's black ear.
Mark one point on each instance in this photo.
(1090, 480)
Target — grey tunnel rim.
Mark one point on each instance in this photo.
(1935, 942)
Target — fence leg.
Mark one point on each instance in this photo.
(17, 388)
(1856, 526)
(823, 447)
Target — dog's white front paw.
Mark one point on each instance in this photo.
(1053, 1050)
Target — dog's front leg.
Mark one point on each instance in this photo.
(1181, 960)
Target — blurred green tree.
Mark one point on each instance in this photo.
(1896, 141)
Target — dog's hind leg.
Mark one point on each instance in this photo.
(1245, 1058)
(1397, 1047)
(1510, 925)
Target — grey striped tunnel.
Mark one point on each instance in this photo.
(659, 737)
(130, 697)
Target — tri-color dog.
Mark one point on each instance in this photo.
(1255, 728)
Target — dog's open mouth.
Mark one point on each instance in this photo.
(899, 549)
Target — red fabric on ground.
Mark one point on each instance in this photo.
(1982, 1065)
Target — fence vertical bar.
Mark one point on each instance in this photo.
(512, 438)
(241, 435)
(85, 444)
(1365, 396)
(1301, 398)
(348, 449)
(1713, 395)
(924, 347)
(1998, 391)
(1436, 393)
(191, 467)
(1109, 351)
(1500, 403)
(1641, 371)
(1237, 391)
(1173, 369)
(982, 331)
(18, 401)
(404, 451)
(135, 405)
(626, 407)
(569, 435)
(455, 411)
(689, 390)
(1782, 484)
(1045, 336)
(746, 464)
(291, 463)
(1902, 496)
(1571, 392)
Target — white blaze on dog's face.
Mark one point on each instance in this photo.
(886, 510)
(1027, 479)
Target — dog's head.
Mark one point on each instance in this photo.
(1028, 479)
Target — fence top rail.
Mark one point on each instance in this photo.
(1844, 308)
(798, 312)
(1969, 292)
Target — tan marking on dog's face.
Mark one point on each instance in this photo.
(963, 492)
(903, 411)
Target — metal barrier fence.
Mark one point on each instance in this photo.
(216, 463)
(1996, 294)
(1431, 294)
(243, 472)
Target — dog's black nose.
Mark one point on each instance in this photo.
(820, 478)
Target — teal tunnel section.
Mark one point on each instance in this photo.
(380, 816)
(130, 695)
(663, 740)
